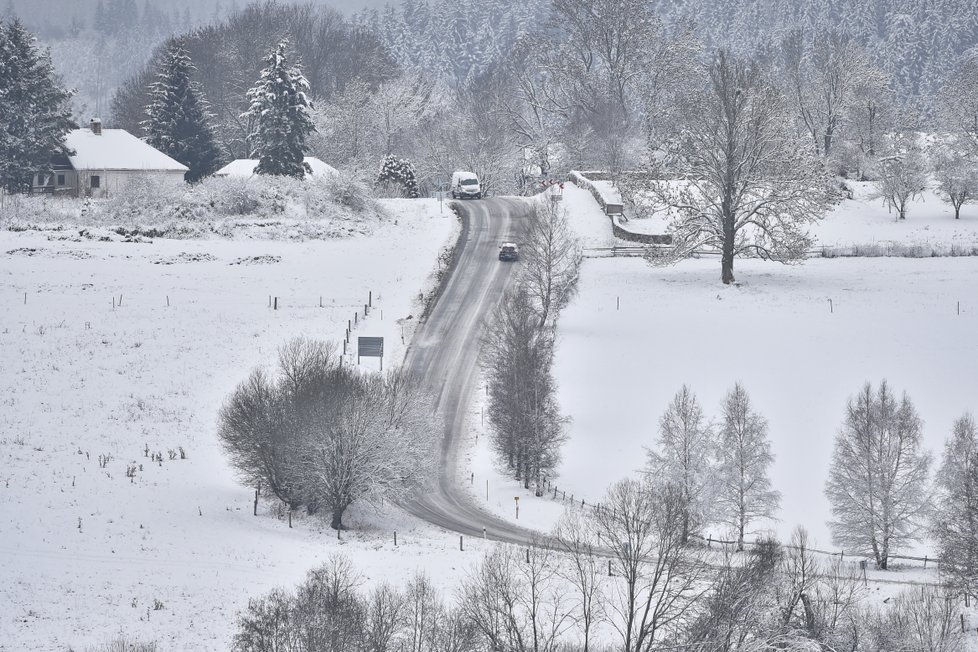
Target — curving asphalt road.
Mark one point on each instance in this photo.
(445, 354)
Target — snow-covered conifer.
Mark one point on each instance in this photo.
(279, 114)
(35, 114)
(178, 123)
(400, 174)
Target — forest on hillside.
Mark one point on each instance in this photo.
(517, 89)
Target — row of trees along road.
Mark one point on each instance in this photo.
(518, 349)
(319, 434)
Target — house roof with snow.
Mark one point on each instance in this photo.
(245, 167)
(117, 149)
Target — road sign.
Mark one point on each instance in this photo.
(371, 347)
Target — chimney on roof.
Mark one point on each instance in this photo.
(96, 126)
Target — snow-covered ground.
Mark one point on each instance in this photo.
(800, 355)
(85, 551)
(863, 221)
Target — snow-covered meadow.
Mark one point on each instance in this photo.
(94, 364)
(802, 339)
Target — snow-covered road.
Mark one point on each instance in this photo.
(445, 353)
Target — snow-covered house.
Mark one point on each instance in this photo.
(245, 167)
(107, 161)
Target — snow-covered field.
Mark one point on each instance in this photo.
(85, 551)
(802, 339)
(863, 221)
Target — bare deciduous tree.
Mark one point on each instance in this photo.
(956, 514)
(923, 619)
(515, 601)
(956, 173)
(320, 434)
(743, 459)
(685, 457)
(551, 261)
(826, 75)
(528, 428)
(901, 174)
(742, 181)
(379, 443)
(957, 102)
(877, 483)
(259, 440)
(657, 577)
(576, 538)
(815, 603)
(736, 614)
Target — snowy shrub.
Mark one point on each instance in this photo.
(125, 645)
(321, 206)
(398, 176)
(347, 191)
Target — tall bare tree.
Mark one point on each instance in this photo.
(826, 74)
(957, 102)
(685, 457)
(742, 181)
(956, 173)
(551, 256)
(515, 600)
(576, 538)
(743, 458)
(956, 514)
(901, 173)
(657, 576)
(527, 425)
(877, 483)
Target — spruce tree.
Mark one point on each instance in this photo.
(279, 114)
(35, 114)
(178, 123)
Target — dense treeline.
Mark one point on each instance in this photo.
(229, 57)
(515, 90)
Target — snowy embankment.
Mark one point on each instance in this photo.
(802, 339)
(96, 369)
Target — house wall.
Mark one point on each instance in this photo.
(48, 182)
(114, 181)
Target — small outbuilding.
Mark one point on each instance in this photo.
(245, 167)
(107, 161)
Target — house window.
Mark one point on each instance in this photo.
(96, 181)
(61, 179)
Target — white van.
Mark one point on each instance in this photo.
(465, 185)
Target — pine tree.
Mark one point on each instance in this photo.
(279, 112)
(178, 123)
(35, 114)
(744, 456)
